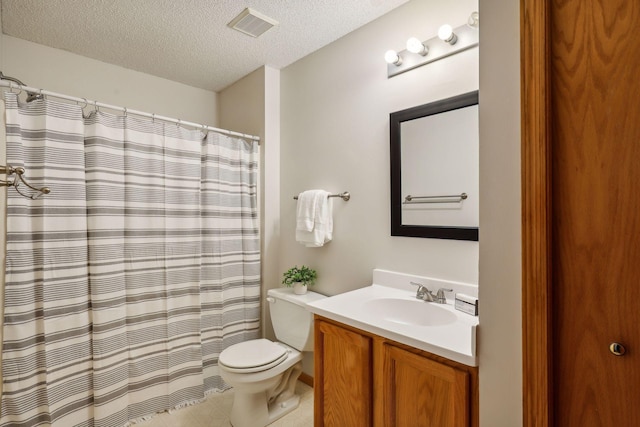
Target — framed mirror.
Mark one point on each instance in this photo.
(435, 169)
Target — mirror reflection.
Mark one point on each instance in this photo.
(435, 168)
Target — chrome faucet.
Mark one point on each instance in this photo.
(425, 294)
(440, 298)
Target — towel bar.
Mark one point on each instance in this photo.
(344, 196)
(435, 199)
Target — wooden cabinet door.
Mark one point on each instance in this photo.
(343, 377)
(419, 392)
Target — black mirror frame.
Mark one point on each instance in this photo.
(395, 120)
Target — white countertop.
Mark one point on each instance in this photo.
(455, 340)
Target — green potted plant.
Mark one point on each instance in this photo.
(299, 278)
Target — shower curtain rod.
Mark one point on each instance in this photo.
(11, 85)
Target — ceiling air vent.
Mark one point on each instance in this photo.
(252, 23)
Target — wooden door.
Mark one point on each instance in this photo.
(419, 392)
(343, 369)
(581, 213)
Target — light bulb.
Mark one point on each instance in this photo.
(474, 20)
(416, 46)
(392, 57)
(446, 34)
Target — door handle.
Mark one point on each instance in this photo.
(617, 349)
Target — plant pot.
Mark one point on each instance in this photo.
(299, 288)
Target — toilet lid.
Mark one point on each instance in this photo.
(252, 356)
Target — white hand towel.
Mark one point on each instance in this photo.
(322, 231)
(306, 210)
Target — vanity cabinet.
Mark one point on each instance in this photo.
(366, 380)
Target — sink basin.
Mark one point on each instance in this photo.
(410, 312)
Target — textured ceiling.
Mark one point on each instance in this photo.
(187, 41)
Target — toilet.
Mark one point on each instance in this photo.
(263, 373)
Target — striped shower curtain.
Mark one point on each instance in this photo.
(126, 282)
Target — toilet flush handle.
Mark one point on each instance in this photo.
(271, 299)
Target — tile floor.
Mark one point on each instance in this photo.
(214, 412)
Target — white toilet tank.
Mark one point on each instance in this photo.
(292, 322)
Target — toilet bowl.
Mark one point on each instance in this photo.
(271, 382)
(264, 373)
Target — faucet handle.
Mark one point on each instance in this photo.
(440, 298)
(422, 290)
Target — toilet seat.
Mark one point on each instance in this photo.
(252, 356)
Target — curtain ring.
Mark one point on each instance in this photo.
(83, 107)
(179, 123)
(153, 117)
(125, 111)
(95, 105)
(17, 87)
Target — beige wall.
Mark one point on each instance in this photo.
(500, 332)
(252, 105)
(70, 74)
(335, 135)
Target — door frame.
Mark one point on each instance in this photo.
(537, 321)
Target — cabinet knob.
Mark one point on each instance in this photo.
(617, 349)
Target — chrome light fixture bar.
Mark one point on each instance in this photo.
(458, 39)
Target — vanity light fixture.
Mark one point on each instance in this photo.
(392, 58)
(446, 34)
(419, 53)
(416, 46)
